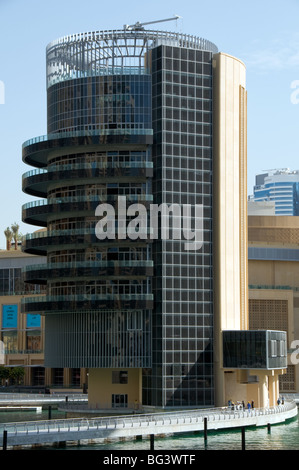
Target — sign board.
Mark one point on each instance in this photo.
(9, 316)
(33, 321)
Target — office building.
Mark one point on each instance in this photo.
(22, 335)
(149, 118)
(281, 187)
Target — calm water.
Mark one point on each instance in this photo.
(281, 437)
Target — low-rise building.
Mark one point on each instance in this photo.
(273, 264)
(22, 335)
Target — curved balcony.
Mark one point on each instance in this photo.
(37, 212)
(39, 273)
(73, 303)
(38, 243)
(35, 151)
(36, 182)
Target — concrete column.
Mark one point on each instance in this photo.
(263, 390)
(48, 376)
(272, 390)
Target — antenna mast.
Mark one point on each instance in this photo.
(140, 26)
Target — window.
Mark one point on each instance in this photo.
(119, 401)
(134, 320)
(33, 341)
(38, 376)
(119, 377)
(10, 341)
(76, 377)
(58, 377)
(273, 352)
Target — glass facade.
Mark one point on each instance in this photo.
(182, 372)
(254, 349)
(106, 103)
(12, 283)
(129, 114)
(94, 287)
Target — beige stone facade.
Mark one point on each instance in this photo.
(274, 284)
(115, 387)
(230, 213)
(230, 236)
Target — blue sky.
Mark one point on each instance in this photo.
(264, 34)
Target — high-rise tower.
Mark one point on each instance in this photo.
(147, 117)
(281, 187)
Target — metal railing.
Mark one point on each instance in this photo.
(89, 133)
(16, 398)
(138, 420)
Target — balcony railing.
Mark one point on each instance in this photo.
(89, 264)
(99, 132)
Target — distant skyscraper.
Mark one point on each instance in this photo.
(280, 186)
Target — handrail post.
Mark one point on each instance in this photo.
(243, 437)
(4, 445)
(205, 429)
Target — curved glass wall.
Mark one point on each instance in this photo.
(106, 103)
(96, 150)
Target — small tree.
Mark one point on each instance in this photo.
(9, 235)
(17, 374)
(15, 230)
(20, 237)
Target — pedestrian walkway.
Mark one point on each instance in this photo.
(94, 429)
(11, 399)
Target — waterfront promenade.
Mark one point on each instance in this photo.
(18, 400)
(91, 430)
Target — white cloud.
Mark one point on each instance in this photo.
(279, 54)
